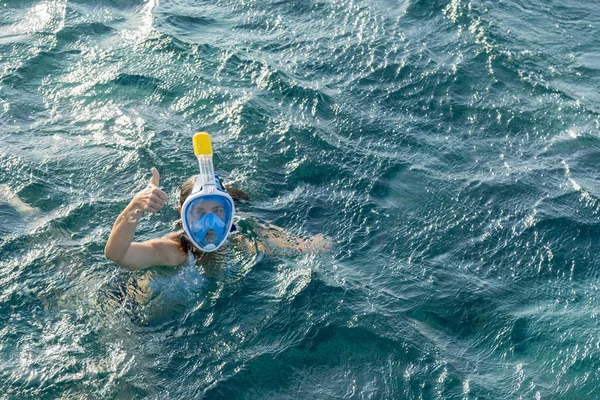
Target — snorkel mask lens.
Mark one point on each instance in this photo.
(207, 219)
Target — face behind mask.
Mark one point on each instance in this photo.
(208, 229)
(207, 219)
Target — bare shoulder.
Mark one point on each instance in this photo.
(170, 248)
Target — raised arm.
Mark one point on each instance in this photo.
(120, 246)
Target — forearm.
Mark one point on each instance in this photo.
(120, 246)
(122, 233)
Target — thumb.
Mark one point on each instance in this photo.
(155, 177)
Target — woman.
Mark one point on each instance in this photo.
(175, 248)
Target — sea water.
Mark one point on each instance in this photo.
(449, 149)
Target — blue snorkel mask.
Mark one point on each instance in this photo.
(207, 214)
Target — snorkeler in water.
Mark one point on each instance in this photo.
(206, 218)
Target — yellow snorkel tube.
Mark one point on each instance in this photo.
(204, 154)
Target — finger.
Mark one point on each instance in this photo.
(157, 193)
(152, 208)
(158, 204)
(155, 177)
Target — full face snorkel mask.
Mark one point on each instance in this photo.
(207, 213)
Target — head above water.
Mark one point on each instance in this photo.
(207, 219)
(206, 213)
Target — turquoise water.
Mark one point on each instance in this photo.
(449, 148)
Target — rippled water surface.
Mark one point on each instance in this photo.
(449, 148)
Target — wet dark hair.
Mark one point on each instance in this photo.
(188, 185)
(186, 189)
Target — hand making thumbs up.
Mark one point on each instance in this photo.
(151, 199)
